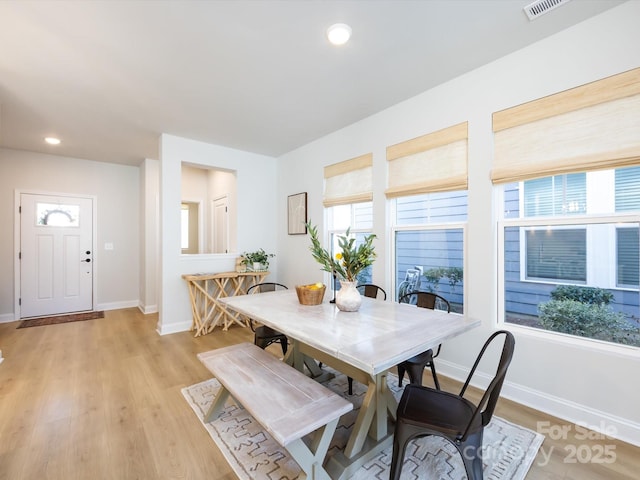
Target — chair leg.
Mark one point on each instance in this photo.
(401, 371)
(350, 380)
(397, 457)
(403, 433)
(471, 452)
(415, 374)
(435, 377)
(284, 345)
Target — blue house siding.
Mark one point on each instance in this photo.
(431, 249)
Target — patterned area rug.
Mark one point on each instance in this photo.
(509, 449)
(75, 317)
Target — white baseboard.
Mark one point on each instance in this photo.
(174, 327)
(7, 317)
(582, 415)
(147, 309)
(117, 305)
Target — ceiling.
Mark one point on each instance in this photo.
(109, 77)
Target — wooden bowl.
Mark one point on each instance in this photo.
(310, 296)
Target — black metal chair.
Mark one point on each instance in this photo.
(263, 335)
(372, 291)
(424, 411)
(416, 365)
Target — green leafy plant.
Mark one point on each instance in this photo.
(434, 275)
(589, 295)
(350, 261)
(259, 256)
(596, 321)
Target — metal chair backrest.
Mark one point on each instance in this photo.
(266, 287)
(487, 404)
(370, 290)
(426, 300)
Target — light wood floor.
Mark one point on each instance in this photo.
(100, 399)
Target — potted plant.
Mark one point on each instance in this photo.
(346, 265)
(258, 260)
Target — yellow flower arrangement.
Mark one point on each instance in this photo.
(350, 261)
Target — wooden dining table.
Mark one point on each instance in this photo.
(364, 345)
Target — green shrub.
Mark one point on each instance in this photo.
(591, 320)
(589, 295)
(433, 276)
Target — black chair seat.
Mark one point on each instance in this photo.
(264, 331)
(444, 412)
(263, 335)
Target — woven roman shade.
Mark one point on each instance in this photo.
(435, 162)
(594, 126)
(350, 181)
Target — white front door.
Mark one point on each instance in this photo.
(56, 255)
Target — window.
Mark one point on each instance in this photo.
(569, 235)
(358, 218)
(428, 194)
(574, 237)
(57, 215)
(556, 254)
(429, 244)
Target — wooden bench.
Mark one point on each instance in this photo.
(287, 403)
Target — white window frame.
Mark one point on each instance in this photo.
(392, 215)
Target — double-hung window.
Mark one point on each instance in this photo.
(428, 202)
(568, 169)
(347, 198)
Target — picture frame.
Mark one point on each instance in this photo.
(297, 214)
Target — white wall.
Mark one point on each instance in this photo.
(150, 235)
(257, 211)
(570, 380)
(116, 189)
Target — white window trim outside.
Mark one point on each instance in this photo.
(582, 220)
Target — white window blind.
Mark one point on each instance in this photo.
(435, 162)
(590, 127)
(627, 189)
(350, 181)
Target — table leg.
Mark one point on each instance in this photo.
(299, 361)
(372, 432)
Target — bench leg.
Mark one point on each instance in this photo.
(310, 458)
(217, 405)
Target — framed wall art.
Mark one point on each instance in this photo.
(297, 214)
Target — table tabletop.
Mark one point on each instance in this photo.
(377, 337)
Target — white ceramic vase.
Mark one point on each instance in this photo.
(348, 298)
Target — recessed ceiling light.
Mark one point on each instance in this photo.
(339, 33)
(52, 140)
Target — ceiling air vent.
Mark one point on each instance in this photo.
(540, 7)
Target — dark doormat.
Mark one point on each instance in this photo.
(74, 317)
